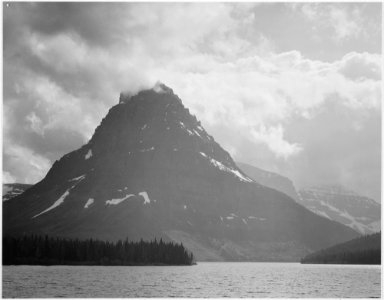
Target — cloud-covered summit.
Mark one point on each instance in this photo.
(272, 82)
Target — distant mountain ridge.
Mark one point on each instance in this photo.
(270, 179)
(151, 170)
(330, 201)
(11, 190)
(347, 207)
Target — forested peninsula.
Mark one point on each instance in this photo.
(365, 250)
(45, 250)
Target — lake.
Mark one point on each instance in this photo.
(206, 279)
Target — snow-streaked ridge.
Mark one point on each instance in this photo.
(224, 168)
(341, 205)
(56, 204)
(60, 201)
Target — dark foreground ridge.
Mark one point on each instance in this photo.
(364, 250)
(39, 250)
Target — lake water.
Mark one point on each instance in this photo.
(218, 279)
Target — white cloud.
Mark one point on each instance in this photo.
(35, 123)
(62, 109)
(273, 137)
(260, 92)
(344, 21)
(345, 24)
(29, 166)
(54, 51)
(361, 66)
(8, 178)
(66, 74)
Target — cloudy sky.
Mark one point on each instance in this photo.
(291, 88)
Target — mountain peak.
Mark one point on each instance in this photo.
(152, 170)
(158, 88)
(161, 88)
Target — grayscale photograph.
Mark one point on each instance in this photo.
(191, 150)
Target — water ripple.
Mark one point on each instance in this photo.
(205, 280)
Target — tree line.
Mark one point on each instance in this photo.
(363, 257)
(45, 250)
(362, 250)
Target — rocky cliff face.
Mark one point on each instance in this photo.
(151, 170)
(336, 203)
(333, 202)
(270, 179)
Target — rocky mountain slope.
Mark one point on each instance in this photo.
(11, 190)
(151, 170)
(336, 203)
(333, 202)
(270, 179)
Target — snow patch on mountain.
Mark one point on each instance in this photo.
(224, 168)
(375, 226)
(118, 200)
(11, 190)
(62, 197)
(320, 213)
(89, 202)
(341, 205)
(146, 198)
(56, 204)
(329, 206)
(353, 223)
(81, 177)
(196, 132)
(241, 176)
(89, 154)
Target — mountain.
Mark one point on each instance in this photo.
(332, 201)
(270, 179)
(362, 250)
(336, 203)
(11, 190)
(151, 170)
